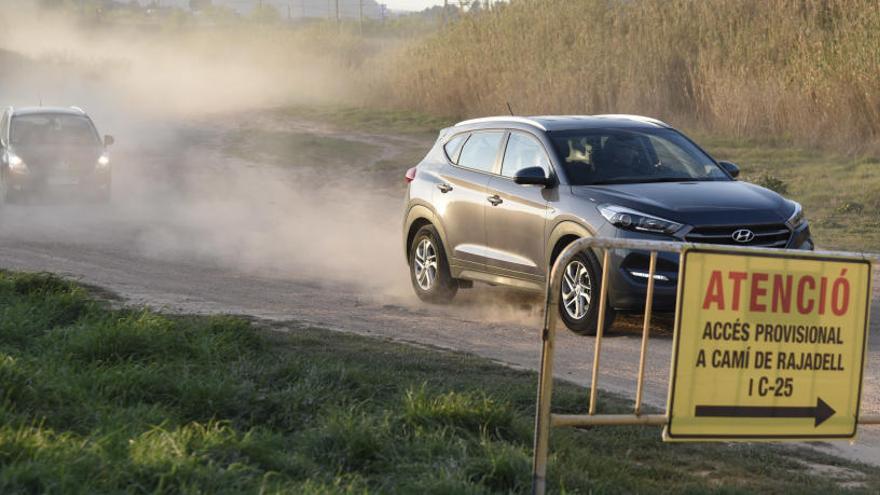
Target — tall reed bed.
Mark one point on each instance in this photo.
(796, 70)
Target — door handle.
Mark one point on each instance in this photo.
(444, 187)
(495, 200)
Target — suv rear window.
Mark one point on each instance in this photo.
(481, 150)
(452, 146)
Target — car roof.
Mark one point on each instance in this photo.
(572, 122)
(47, 110)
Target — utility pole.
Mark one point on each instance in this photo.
(361, 15)
(337, 11)
(445, 12)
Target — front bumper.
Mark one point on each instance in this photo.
(628, 272)
(30, 185)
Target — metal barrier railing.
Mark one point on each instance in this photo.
(544, 418)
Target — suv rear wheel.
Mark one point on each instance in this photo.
(429, 269)
(579, 295)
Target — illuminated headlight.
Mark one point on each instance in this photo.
(17, 165)
(797, 218)
(628, 219)
(103, 163)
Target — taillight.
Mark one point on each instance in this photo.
(410, 175)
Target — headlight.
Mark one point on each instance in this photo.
(16, 164)
(797, 218)
(103, 163)
(625, 218)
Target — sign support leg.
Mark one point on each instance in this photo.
(545, 383)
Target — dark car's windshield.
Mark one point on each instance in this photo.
(53, 129)
(622, 156)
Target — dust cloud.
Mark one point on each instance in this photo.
(177, 102)
(179, 194)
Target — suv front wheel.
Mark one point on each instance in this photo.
(579, 295)
(429, 268)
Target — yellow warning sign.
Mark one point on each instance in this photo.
(768, 346)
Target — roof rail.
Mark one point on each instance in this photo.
(638, 118)
(521, 120)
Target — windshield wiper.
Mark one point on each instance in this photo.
(645, 180)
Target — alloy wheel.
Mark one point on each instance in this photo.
(577, 290)
(425, 264)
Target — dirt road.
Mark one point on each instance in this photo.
(215, 218)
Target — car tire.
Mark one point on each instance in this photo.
(429, 268)
(579, 295)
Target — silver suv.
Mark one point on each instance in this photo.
(497, 199)
(52, 150)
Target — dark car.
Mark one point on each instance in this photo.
(50, 151)
(497, 199)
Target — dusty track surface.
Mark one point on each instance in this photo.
(199, 227)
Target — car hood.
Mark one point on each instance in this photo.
(697, 202)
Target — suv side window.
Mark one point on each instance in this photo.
(452, 146)
(480, 150)
(523, 151)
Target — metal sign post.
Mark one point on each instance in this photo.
(784, 414)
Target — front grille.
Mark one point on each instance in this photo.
(776, 236)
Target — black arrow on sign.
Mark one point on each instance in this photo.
(821, 412)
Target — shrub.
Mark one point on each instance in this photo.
(771, 182)
(849, 207)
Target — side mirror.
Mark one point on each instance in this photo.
(533, 176)
(108, 140)
(730, 168)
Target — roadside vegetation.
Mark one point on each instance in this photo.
(96, 400)
(790, 72)
(804, 71)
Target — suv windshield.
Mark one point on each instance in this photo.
(624, 156)
(53, 129)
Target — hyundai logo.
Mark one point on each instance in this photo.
(743, 236)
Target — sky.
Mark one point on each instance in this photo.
(411, 4)
(399, 5)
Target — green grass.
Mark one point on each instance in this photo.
(294, 148)
(99, 400)
(381, 120)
